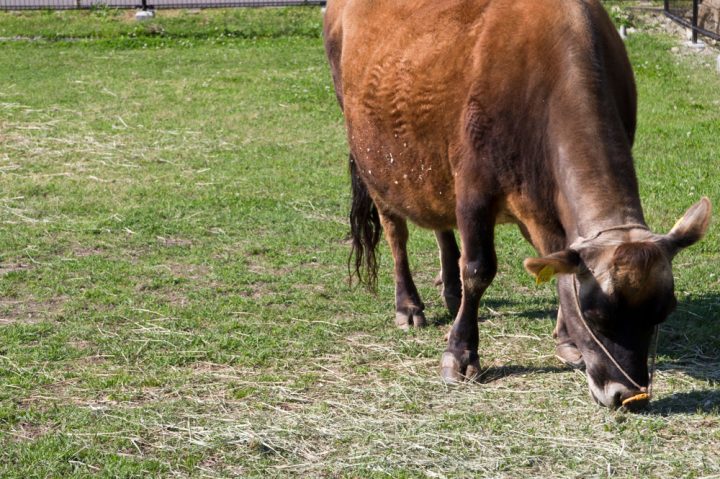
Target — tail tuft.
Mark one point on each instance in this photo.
(365, 230)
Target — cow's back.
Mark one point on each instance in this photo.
(434, 89)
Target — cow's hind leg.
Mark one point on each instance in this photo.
(408, 305)
(449, 277)
(478, 265)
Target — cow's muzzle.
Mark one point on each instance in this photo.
(615, 395)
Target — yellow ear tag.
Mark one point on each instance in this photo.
(545, 275)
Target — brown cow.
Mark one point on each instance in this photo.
(469, 113)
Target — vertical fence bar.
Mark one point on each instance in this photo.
(667, 5)
(695, 21)
(144, 5)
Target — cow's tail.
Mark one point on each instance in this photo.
(365, 230)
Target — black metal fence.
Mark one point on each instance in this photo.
(700, 16)
(147, 4)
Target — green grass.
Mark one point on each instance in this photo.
(173, 294)
(120, 26)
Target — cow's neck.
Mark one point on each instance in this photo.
(597, 188)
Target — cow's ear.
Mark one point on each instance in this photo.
(563, 262)
(689, 229)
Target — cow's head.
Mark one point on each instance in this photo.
(617, 287)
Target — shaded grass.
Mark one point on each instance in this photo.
(173, 296)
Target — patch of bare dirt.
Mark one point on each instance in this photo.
(171, 241)
(83, 252)
(256, 290)
(193, 272)
(29, 312)
(28, 432)
(94, 359)
(175, 298)
(205, 367)
(47, 395)
(317, 289)
(11, 268)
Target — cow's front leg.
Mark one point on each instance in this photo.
(408, 306)
(449, 277)
(478, 265)
(565, 349)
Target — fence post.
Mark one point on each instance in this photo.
(695, 21)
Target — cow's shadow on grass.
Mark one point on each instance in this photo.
(690, 339)
(495, 373)
(700, 401)
(690, 343)
(443, 317)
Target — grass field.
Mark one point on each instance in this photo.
(173, 280)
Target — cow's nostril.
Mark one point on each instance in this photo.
(617, 400)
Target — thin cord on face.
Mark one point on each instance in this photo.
(604, 349)
(608, 242)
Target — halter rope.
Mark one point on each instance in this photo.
(630, 226)
(651, 372)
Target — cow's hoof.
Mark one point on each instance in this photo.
(410, 317)
(455, 371)
(452, 303)
(570, 355)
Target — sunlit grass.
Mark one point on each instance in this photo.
(173, 294)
